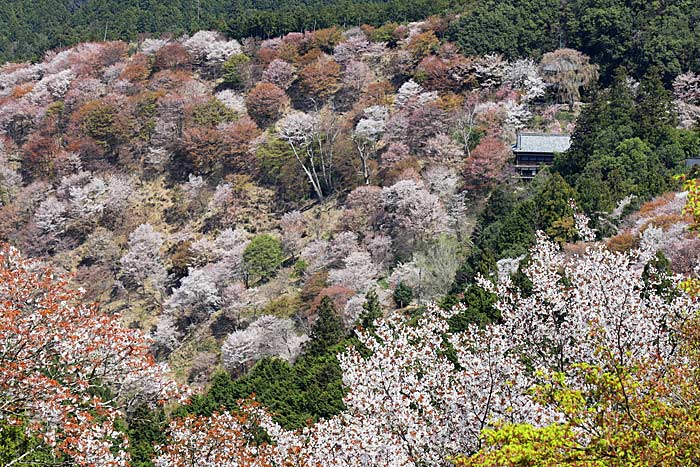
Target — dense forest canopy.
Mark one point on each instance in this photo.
(28, 28)
(634, 34)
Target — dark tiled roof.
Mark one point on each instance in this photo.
(541, 143)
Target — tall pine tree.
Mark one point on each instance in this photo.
(327, 331)
(373, 310)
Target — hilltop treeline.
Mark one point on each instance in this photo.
(613, 33)
(26, 30)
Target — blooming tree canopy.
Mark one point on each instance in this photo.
(57, 354)
(418, 395)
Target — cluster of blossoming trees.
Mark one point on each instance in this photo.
(593, 326)
(418, 395)
(203, 140)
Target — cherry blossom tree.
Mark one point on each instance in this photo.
(413, 213)
(342, 245)
(686, 87)
(208, 47)
(279, 73)
(197, 296)
(444, 151)
(523, 75)
(425, 122)
(267, 336)
(202, 291)
(166, 336)
(407, 92)
(517, 115)
(50, 217)
(605, 304)
(490, 70)
(358, 273)
(351, 48)
(379, 246)
(293, 225)
(300, 131)
(568, 70)
(363, 207)
(51, 87)
(152, 45)
(143, 261)
(487, 161)
(222, 440)
(13, 74)
(57, 355)
(367, 134)
(357, 76)
(315, 254)
(232, 100)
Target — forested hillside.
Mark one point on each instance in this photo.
(256, 247)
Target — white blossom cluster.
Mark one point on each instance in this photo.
(524, 76)
(209, 47)
(267, 336)
(203, 290)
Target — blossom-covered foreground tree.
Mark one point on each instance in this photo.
(407, 403)
(636, 404)
(222, 440)
(598, 307)
(68, 371)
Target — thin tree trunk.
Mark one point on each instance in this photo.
(309, 175)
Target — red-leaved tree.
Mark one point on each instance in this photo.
(266, 103)
(486, 163)
(68, 371)
(321, 79)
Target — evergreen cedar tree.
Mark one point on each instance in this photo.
(327, 330)
(372, 310)
(403, 295)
